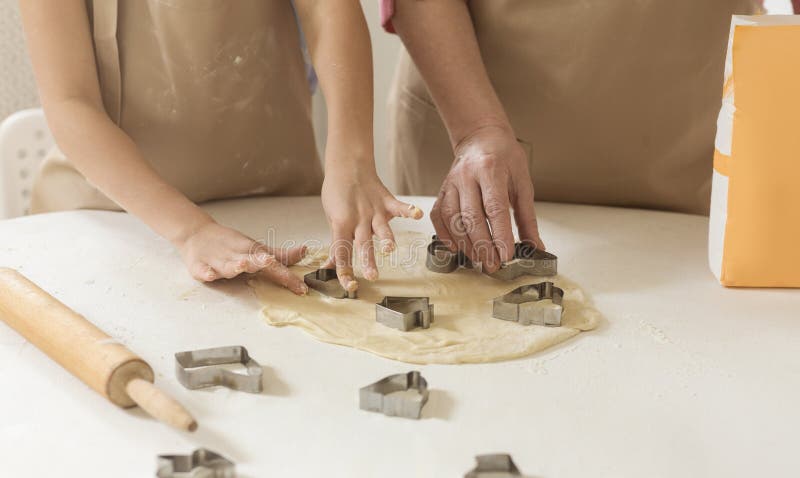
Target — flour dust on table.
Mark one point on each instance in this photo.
(463, 330)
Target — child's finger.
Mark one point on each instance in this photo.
(256, 262)
(233, 267)
(399, 208)
(280, 274)
(385, 235)
(366, 251)
(342, 253)
(288, 255)
(203, 272)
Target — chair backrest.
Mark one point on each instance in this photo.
(24, 142)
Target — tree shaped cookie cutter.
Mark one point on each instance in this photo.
(404, 313)
(204, 368)
(524, 305)
(494, 466)
(381, 397)
(201, 462)
(527, 260)
(326, 281)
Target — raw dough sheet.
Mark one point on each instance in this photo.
(463, 330)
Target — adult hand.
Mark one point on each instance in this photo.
(489, 177)
(212, 252)
(358, 206)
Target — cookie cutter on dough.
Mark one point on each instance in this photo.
(203, 368)
(524, 305)
(527, 260)
(404, 313)
(494, 466)
(381, 397)
(201, 463)
(326, 281)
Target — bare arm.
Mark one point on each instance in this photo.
(62, 54)
(357, 204)
(490, 173)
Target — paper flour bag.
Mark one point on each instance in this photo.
(754, 234)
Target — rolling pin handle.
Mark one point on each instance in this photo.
(159, 405)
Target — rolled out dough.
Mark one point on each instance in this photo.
(463, 330)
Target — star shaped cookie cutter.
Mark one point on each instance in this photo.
(527, 260)
(381, 396)
(524, 305)
(202, 368)
(494, 466)
(201, 463)
(404, 313)
(326, 281)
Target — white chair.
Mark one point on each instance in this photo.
(24, 142)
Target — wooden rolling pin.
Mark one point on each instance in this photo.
(102, 363)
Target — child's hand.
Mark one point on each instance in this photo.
(359, 206)
(214, 252)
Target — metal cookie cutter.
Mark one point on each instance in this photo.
(326, 281)
(523, 305)
(527, 260)
(381, 397)
(441, 259)
(201, 463)
(404, 313)
(494, 466)
(201, 368)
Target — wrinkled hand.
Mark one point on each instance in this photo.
(358, 206)
(489, 176)
(212, 252)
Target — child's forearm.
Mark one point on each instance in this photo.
(110, 160)
(339, 42)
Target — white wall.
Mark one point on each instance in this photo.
(17, 90)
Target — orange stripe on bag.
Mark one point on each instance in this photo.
(721, 163)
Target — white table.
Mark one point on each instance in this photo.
(685, 379)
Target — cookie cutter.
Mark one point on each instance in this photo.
(527, 260)
(404, 313)
(381, 397)
(202, 368)
(201, 463)
(494, 466)
(524, 305)
(326, 281)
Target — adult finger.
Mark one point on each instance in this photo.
(477, 228)
(342, 253)
(525, 214)
(453, 220)
(366, 251)
(385, 235)
(497, 207)
(439, 225)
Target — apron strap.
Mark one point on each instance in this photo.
(104, 18)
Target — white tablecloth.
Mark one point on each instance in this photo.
(685, 378)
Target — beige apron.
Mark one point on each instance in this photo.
(615, 100)
(213, 92)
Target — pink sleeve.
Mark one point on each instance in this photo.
(387, 12)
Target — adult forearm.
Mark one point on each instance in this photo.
(440, 37)
(110, 160)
